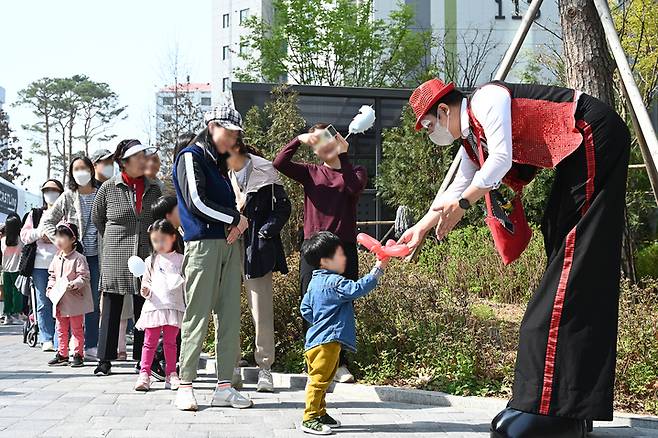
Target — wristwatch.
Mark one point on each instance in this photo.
(464, 203)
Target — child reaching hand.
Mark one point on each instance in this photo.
(69, 264)
(327, 306)
(162, 286)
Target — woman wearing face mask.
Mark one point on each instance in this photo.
(74, 206)
(565, 365)
(33, 233)
(122, 214)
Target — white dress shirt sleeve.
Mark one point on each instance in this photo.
(492, 107)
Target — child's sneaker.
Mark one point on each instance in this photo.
(77, 361)
(328, 420)
(314, 427)
(185, 400)
(143, 382)
(343, 375)
(228, 396)
(58, 361)
(172, 381)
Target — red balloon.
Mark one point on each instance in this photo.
(392, 249)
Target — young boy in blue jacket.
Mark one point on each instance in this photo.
(327, 306)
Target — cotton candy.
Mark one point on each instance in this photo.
(362, 121)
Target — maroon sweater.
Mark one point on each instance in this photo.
(330, 195)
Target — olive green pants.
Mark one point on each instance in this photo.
(213, 275)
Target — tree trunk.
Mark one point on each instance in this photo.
(589, 66)
(48, 155)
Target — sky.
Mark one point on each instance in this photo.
(128, 44)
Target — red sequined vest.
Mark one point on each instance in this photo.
(543, 129)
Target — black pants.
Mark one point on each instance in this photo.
(351, 272)
(108, 336)
(567, 347)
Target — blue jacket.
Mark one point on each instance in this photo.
(206, 201)
(327, 305)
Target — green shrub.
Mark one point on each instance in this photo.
(466, 261)
(646, 261)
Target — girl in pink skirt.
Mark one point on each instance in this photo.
(162, 286)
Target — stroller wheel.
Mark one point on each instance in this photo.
(32, 337)
(26, 329)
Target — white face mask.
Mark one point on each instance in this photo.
(50, 197)
(441, 136)
(82, 177)
(108, 171)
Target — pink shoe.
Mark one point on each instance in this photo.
(122, 355)
(143, 382)
(172, 381)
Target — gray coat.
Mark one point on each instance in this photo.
(124, 232)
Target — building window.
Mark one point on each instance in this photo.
(244, 14)
(205, 101)
(244, 49)
(167, 100)
(225, 53)
(226, 85)
(226, 20)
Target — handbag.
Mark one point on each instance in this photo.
(24, 284)
(29, 251)
(511, 234)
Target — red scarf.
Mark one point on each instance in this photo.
(137, 186)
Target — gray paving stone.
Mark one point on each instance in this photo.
(39, 401)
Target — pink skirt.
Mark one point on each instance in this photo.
(158, 318)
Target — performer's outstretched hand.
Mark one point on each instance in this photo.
(413, 236)
(450, 215)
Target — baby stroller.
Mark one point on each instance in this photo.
(30, 326)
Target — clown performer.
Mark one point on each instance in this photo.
(565, 364)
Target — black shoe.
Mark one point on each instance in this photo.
(589, 424)
(138, 367)
(77, 361)
(511, 423)
(157, 371)
(329, 421)
(104, 368)
(58, 361)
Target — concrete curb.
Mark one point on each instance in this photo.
(392, 394)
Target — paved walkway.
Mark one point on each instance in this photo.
(36, 400)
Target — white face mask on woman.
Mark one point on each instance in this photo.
(82, 177)
(441, 135)
(50, 197)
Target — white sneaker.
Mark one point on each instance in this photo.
(343, 375)
(47, 346)
(236, 379)
(185, 400)
(265, 382)
(91, 353)
(172, 381)
(230, 397)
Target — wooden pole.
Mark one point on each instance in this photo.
(646, 135)
(501, 74)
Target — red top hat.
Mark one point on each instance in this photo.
(426, 95)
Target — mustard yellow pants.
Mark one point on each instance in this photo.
(322, 364)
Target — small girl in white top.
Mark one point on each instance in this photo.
(162, 286)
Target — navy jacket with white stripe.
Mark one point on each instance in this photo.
(206, 201)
